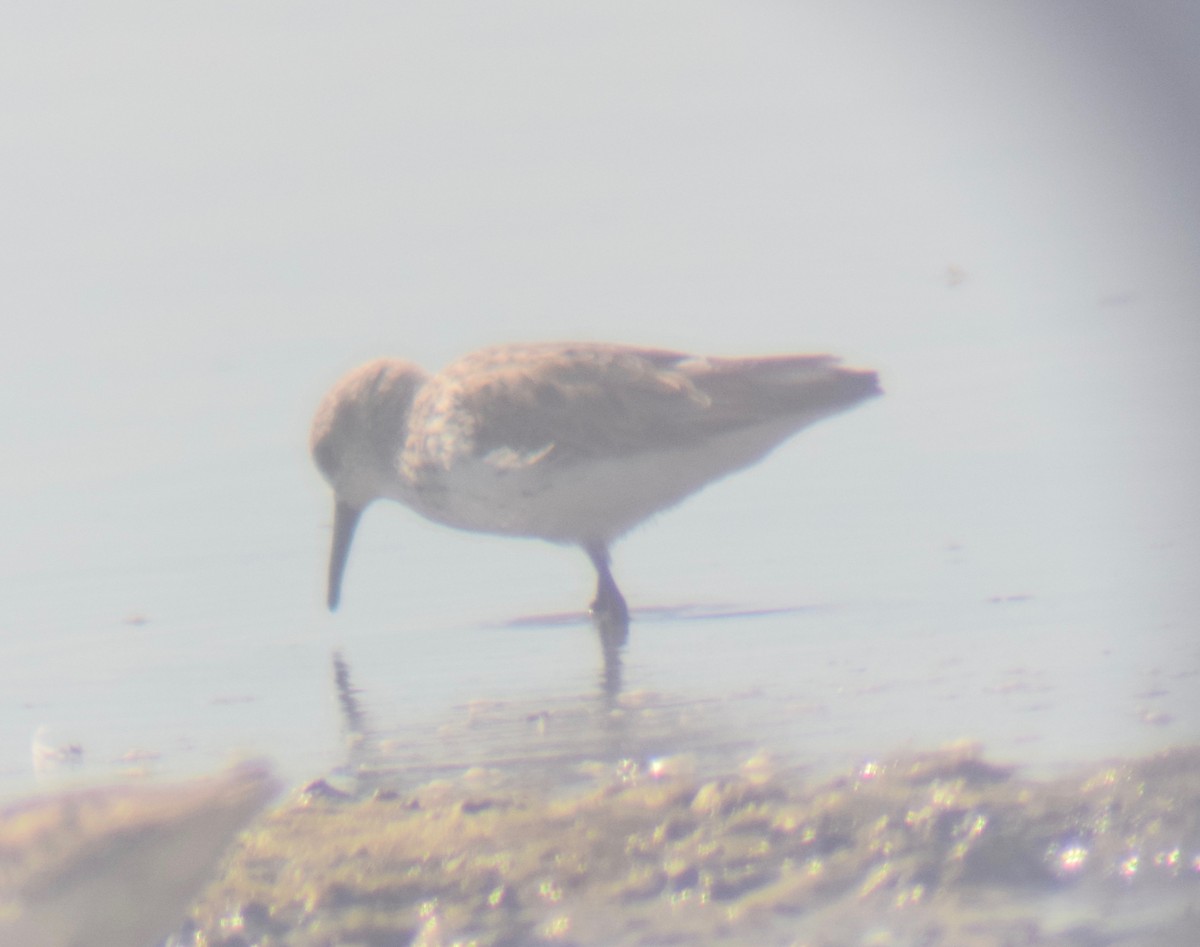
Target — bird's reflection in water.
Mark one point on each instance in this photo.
(551, 738)
(614, 633)
(352, 714)
(555, 741)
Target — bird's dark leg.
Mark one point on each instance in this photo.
(611, 615)
(609, 603)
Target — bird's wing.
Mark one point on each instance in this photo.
(516, 405)
(576, 401)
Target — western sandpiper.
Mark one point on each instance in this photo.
(569, 442)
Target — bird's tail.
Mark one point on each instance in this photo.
(803, 384)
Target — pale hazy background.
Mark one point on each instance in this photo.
(210, 211)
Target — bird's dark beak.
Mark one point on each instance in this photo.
(345, 519)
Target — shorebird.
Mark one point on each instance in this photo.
(570, 442)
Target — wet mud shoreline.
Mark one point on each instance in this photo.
(943, 848)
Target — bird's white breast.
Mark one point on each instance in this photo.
(598, 499)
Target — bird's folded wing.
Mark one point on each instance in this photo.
(576, 403)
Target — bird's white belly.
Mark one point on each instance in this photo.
(596, 500)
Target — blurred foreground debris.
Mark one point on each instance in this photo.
(118, 866)
(943, 849)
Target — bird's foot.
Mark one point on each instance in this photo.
(609, 611)
(611, 616)
(609, 606)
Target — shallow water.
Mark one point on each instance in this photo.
(1042, 684)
